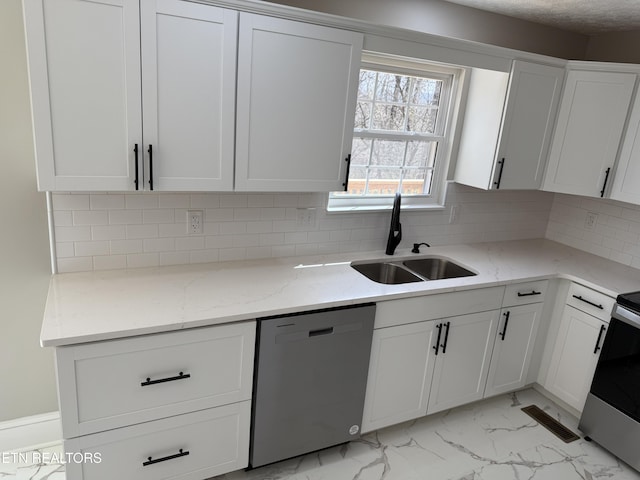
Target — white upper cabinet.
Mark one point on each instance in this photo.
(504, 144)
(89, 94)
(590, 123)
(84, 69)
(626, 184)
(297, 88)
(188, 94)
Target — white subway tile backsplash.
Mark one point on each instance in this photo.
(148, 229)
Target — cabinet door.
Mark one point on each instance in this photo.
(84, 67)
(462, 362)
(188, 74)
(532, 103)
(627, 178)
(400, 372)
(592, 115)
(513, 348)
(297, 87)
(575, 356)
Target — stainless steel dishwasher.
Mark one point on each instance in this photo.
(310, 380)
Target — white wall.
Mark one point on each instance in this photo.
(621, 47)
(457, 21)
(27, 383)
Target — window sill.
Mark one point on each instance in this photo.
(384, 208)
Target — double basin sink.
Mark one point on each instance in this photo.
(411, 270)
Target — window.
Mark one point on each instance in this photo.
(401, 135)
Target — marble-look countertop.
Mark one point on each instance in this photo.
(92, 306)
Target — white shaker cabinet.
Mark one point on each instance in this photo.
(400, 372)
(504, 143)
(96, 68)
(463, 351)
(297, 88)
(577, 346)
(592, 115)
(626, 184)
(84, 72)
(513, 348)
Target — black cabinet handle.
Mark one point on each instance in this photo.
(135, 151)
(180, 376)
(598, 347)
(437, 345)
(446, 338)
(503, 333)
(532, 292)
(497, 184)
(346, 178)
(151, 461)
(587, 301)
(604, 186)
(150, 166)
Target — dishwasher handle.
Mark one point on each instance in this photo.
(321, 331)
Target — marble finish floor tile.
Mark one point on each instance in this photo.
(35, 463)
(488, 440)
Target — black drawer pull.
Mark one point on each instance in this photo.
(587, 301)
(151, 461)
(180, 376)
(437, 345)
(598, 347)
(532, 292)
(446, 338)
(322, 331)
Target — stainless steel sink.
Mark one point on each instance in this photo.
(436, 268)
(387, 273)
(413, 270)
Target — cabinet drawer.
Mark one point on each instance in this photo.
(590, 301)
(430, 307)
(111, 384)
(191, 446)
(524, 293)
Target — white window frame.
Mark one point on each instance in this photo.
(444, 133)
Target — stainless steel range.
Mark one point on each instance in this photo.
(611, 415)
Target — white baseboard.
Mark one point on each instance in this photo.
(30, 431)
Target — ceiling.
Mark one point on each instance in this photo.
(589, 17)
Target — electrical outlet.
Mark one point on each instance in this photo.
(306, 217)
(455, 213)
(194, 222)
(590, 220)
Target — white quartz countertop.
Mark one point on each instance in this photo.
(92, 306)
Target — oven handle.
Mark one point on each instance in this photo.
(598, 347)
(626, 316)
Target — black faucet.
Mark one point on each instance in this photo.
(395, 230)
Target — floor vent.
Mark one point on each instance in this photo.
(555, 427)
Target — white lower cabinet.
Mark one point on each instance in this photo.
(462, 361)
(400, 373)
(575, 356)
(142, 403)
(513, 348)
(192, 446)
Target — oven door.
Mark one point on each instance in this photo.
(617, 377)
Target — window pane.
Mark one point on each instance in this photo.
(422, 119)
(387, 153)
(426, 91)
(363, 115)
(420, 154)
(392, 88)
(357, 181)
(367, 85)
(384, 181)
(360, 151)
(388, 117)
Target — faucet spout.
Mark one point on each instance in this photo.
(395, 229)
